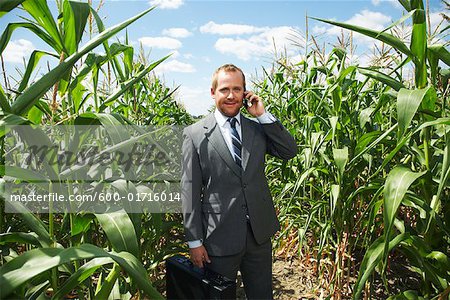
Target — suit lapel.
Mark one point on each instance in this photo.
(248, 133)
(214, 136)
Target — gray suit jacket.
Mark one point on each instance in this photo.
(216, 193)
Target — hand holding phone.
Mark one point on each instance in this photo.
(253, 104)
(247, 103)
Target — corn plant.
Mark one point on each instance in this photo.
(372, 175)
(103, 245)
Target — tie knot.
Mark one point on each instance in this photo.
(232, 122)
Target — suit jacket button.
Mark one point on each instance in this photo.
(245, 185)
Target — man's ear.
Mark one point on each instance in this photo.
(212, 92)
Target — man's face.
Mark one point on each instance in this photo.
(229, 92)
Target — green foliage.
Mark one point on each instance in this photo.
(372, 173)
(64, 253)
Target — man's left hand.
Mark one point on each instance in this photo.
(257, 107)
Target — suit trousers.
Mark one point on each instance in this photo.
(255, 264)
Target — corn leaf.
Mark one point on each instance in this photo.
(9, 120)
(32, 63)
(8, 5)
(405, 138)
(419, 46)
(34, 262)
(6, 35)
(24, 174)
(114, 126)
(384, 37)
(406, 4)
(381, 77)
(408, 101)
(33, 223)
(441, 53)
(365, 140)
(373, 144)
(397, 183)
(442, 259)
(29, 238)
(340, 159)
(371, 259)
(418, 253)
(35, 115)
(4, 103)
(334, 196)
(129, 83)
(406, 295)
(91, 65)
(80, 223)
(445, 172)
(32, 94)
(75, 15)
(41, 13)
(114, 132)
(399, 21)
(120, 231)
(117, 68)
(106, 290)
(35, 136)
(84, 272)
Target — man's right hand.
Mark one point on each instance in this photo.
(198, 256)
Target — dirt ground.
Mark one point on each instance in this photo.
(297, 279)
(291, 280)
(294, 278)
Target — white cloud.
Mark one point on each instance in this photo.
(260, 44)
(368, 19)
(196, 100)
(175, 54)
(365, 18)
(177, 32)
(262, 40)
(174, 66)
(167, 4)
(394, 3)
(319, 29)
(230, 29)
(188, 56)
(16, 50)
(160, 42)
(244, 49)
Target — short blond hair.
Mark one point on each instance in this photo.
(225, 68)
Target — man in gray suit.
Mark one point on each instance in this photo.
(228, 211)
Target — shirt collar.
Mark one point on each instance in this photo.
(222, 120)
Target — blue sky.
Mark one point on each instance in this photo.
(203, 35)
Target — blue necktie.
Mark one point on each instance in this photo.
(236, 141)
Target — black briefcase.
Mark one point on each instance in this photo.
(186, 281)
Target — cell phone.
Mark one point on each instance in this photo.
(247, 104)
